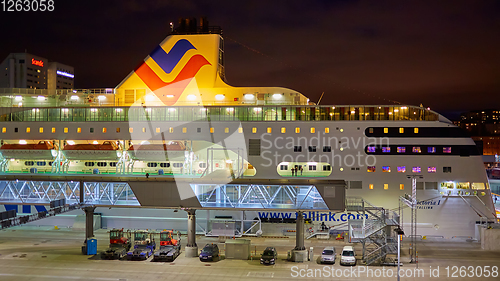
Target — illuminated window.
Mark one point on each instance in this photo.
(370, 130)
(118, 129)
(283, 130)
(431, 149)
(401, 130)
(254, 130)
(4, 130)
(448, 185)
(416, 169)
(53, 130)
(415, 130)
(431, 169)
(370, 169)
(104, 130)
(78, 130)
(386, 169)
(370, 186)
(269, 130)
(66, 130)
(416, 149)
(171, 129)
(28, 129)
(313, 130)
(401, 186)
(401, 149)
(462, 185)
(184, 130)
(143, 129)
(386, 149)
(386, 186)
(240, 130)
(447, 149)
(40, 129)
(371, 149)
(297, 130)
(327, 130)
(401, 169)
(478, 185)
(386, 130)
(212, 130)
(341, 169)
(341, 130)
(226, 130)
(158, 130)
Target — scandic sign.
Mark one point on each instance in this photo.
(37, 62)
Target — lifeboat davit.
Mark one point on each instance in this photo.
(174, 150)
(106, 151)
(42, 150)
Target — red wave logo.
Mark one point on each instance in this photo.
(175, 87)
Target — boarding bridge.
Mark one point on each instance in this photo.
(374, 231)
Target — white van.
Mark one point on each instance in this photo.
(348, 256)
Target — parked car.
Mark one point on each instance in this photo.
(348, 256)
(269, 256)
(328, 255)
(209, 252)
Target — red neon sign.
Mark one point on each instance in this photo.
(37, 62)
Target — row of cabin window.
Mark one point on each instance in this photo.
(312, 148)
(165, 165)
(386, 186)
(402, 169)
(401, 130)
(311, 167)
(402, 149)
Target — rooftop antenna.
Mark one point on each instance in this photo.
(321, 97)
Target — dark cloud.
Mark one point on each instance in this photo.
(443, 54)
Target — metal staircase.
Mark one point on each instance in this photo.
(374, 230)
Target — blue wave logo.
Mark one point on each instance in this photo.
(168, 61)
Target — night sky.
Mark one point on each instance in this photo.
(442, 54)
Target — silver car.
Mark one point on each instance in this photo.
(328, 255)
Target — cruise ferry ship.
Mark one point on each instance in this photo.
(175, 115)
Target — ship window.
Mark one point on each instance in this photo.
(50, 163)
(327, 130)
(113, 164)
(41, 163)
(152, 165)
(312, 148)
(327, 167)
(4, 130)
(212, 130)
(386, 186)
(313, 130)
(462, 185)
(16, 130)
(416, 149)
(254, 130)
(446, 169)
(178, 165)
(386, 130)
(89, 164)
(416, 169)
(184, 130)
(415, 130)
(297, 148)
(431, 149)
(101, 164)
(283, 130)
(171, 130)
(478, 185)
(269, 130)
(327, 149)
(386, 169)
(370, 186)
(401, 186)
(118, 129)
(371, 149)
(401, 169)
(29, 163)
(78, 130)
(164, 165)
(386, 149)
(202, 165)
(401, 149)
(198, 130)
(28, 129)
(40, 129)
(104, 130)
(53, 130)
(226, 130)
(283, 167)
(130, 130)
(431, 169)
(447, 149)
(143, 129)
(401, 130)
(370, 169)
(65, 130)
(448, 185)
(370, 130)
(92, 130)
(158, 130)
(312, 167)
(240, 130)
(297, 130)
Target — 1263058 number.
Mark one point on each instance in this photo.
(28, 5)
(472, 271)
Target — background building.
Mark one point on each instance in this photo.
(24, 70)
(484, 127)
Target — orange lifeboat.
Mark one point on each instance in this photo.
(174, 150)
(42, 150)
(105, 151)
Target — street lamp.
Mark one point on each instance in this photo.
(400, 234)
(413, 205)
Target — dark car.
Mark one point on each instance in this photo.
(209, 252)
(269, 256)
(141, 252)
(167, 253)
(115, 251)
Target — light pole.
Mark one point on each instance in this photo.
(413, 226)
(400, 234)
